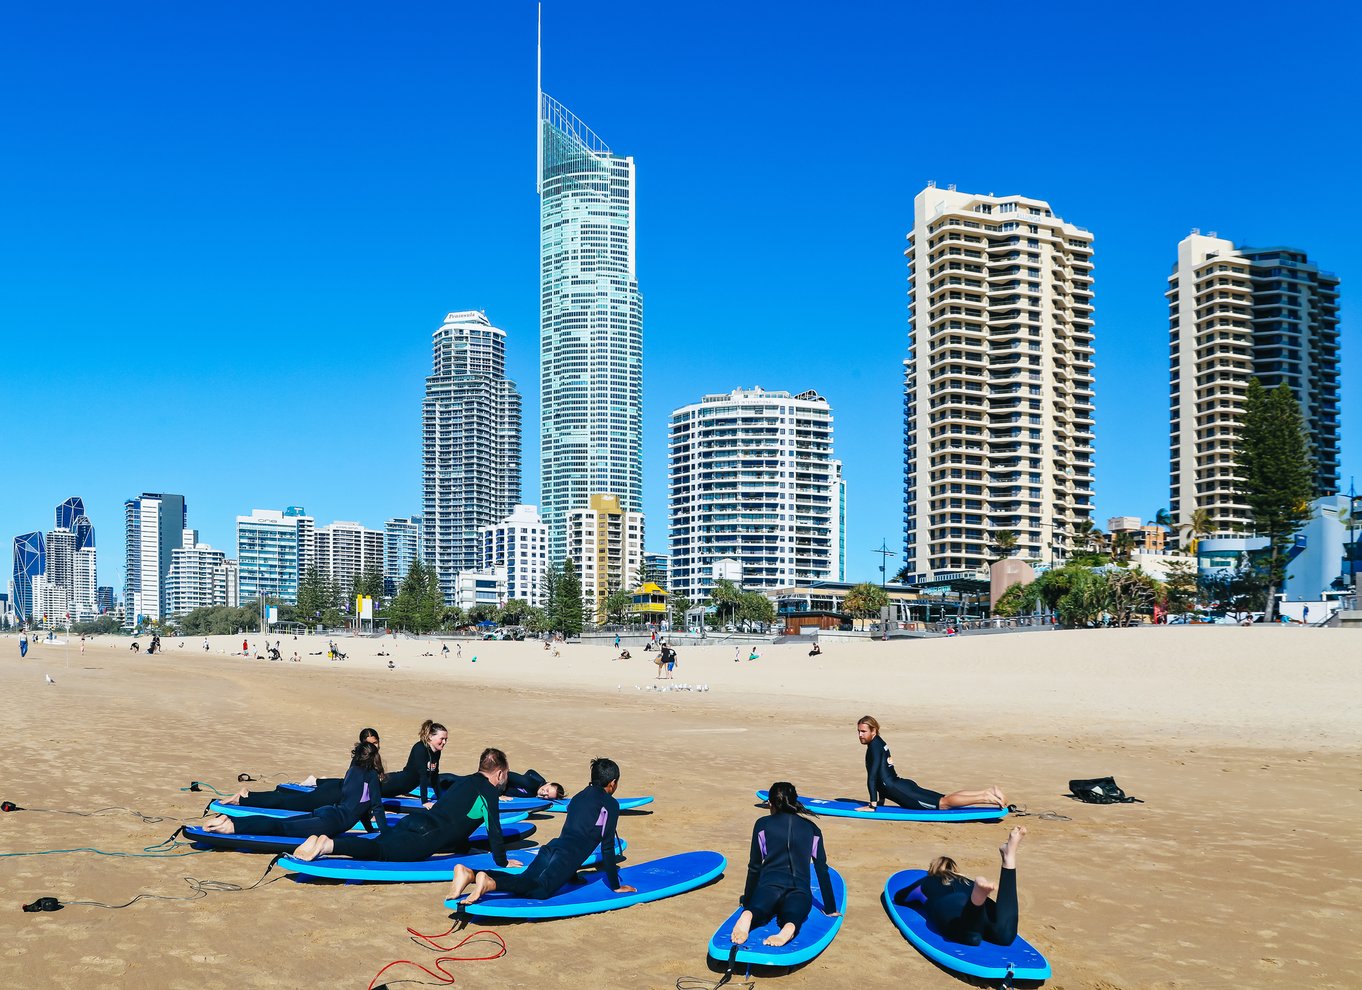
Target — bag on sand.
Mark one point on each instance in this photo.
(1100, 790)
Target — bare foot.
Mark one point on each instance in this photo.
(312, 847)
(983, 886)
(221, 824)
(1008, 850)
(482, 883)
(463, 876)
(235, 798)
(742, 929)
(781, 937)
(998, 795)
(309, 781)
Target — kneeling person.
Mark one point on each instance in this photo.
(590, 822)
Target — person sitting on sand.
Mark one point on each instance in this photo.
(625, 655)
(961, 909)
(295, 658)
(360, 801)
(754, 655)
(885, 784)
(817, 651)
(590, 822)
(784, 844)
(136, 647)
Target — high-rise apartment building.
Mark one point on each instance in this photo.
(199, 576)
(753, 479)
(274, 550)
(84, 585)
(153, 525)
(470, 442)
(605, 543)
(105, 598)
(518, 545)
(998, 385)
(401, 547)
(1236, 314)
(591, 323)
(347, 550)
(60, 573)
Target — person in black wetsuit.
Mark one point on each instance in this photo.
(590, 822)
(531, 784)
(325, 791)
(960, 909)
(783, 845)
(445, 826)
(422, 772)
(884, 783)
(359, 797)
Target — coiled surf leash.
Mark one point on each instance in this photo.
(242, 778)
(444, 977)
(10, 806)
(199, 889)
(1045, 816)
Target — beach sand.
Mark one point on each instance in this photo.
(1241, 869)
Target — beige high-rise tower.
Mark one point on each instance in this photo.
(998, 385)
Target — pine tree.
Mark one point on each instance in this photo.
(1276, 473)
(569, 588)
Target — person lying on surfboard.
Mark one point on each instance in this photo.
(884, 783)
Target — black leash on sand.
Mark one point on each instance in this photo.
(199, 889)
(1045, 816)
(9, 806)
(694, 983)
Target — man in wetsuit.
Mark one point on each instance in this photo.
(471, 802)
(590, 822)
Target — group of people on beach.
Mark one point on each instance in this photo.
(448, 808)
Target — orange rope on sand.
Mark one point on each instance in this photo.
(444, 975)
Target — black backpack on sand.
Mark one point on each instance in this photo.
(1100, 790)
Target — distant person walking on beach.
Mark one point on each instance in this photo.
(23, 645)
(444, 650)
(205, 644)
(82, 644)
(245, 648)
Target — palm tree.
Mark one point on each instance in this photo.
(1004, 543)
(1083, 533)
(1162, 518)
(1200, 525)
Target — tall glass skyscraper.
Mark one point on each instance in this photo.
(470, 445)
(30, 561)
(591, 324)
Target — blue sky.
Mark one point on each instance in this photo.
(227, 233)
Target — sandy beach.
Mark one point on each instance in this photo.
(1241, 869)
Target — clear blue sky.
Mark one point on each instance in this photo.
(228, 231)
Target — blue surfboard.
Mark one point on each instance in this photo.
(891, 813)
(655, 880)
(237, 811)
(987, 961)
(626, 804)
(434, 869)
(507, 805)
(814, 935)
(512, 832)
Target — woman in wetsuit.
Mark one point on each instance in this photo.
(783, 845)
(359, 797)
(325, 791)
(961, 910)
(421, 775)
(884, 783)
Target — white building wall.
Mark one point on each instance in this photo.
(519, 543)
(84, 592)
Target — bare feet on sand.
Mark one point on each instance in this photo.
(781, 937)
(742, 928)
(1008, 850)
(312, 847)
(996, 792)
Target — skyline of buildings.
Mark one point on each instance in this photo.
(752, 478)
(998, 385)
(470, 444)
(591, 323)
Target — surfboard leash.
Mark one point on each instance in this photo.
(10, 806)
(694, 983)
(444, 977)
(199, 889)
(1045, 816)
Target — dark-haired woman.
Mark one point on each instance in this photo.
(961, 909)
(359, 798)
(885, 784)
(784, 843)
(325, 791)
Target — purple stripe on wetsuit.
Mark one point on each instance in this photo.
(600, 822)
(761, 843)
(815, 847)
